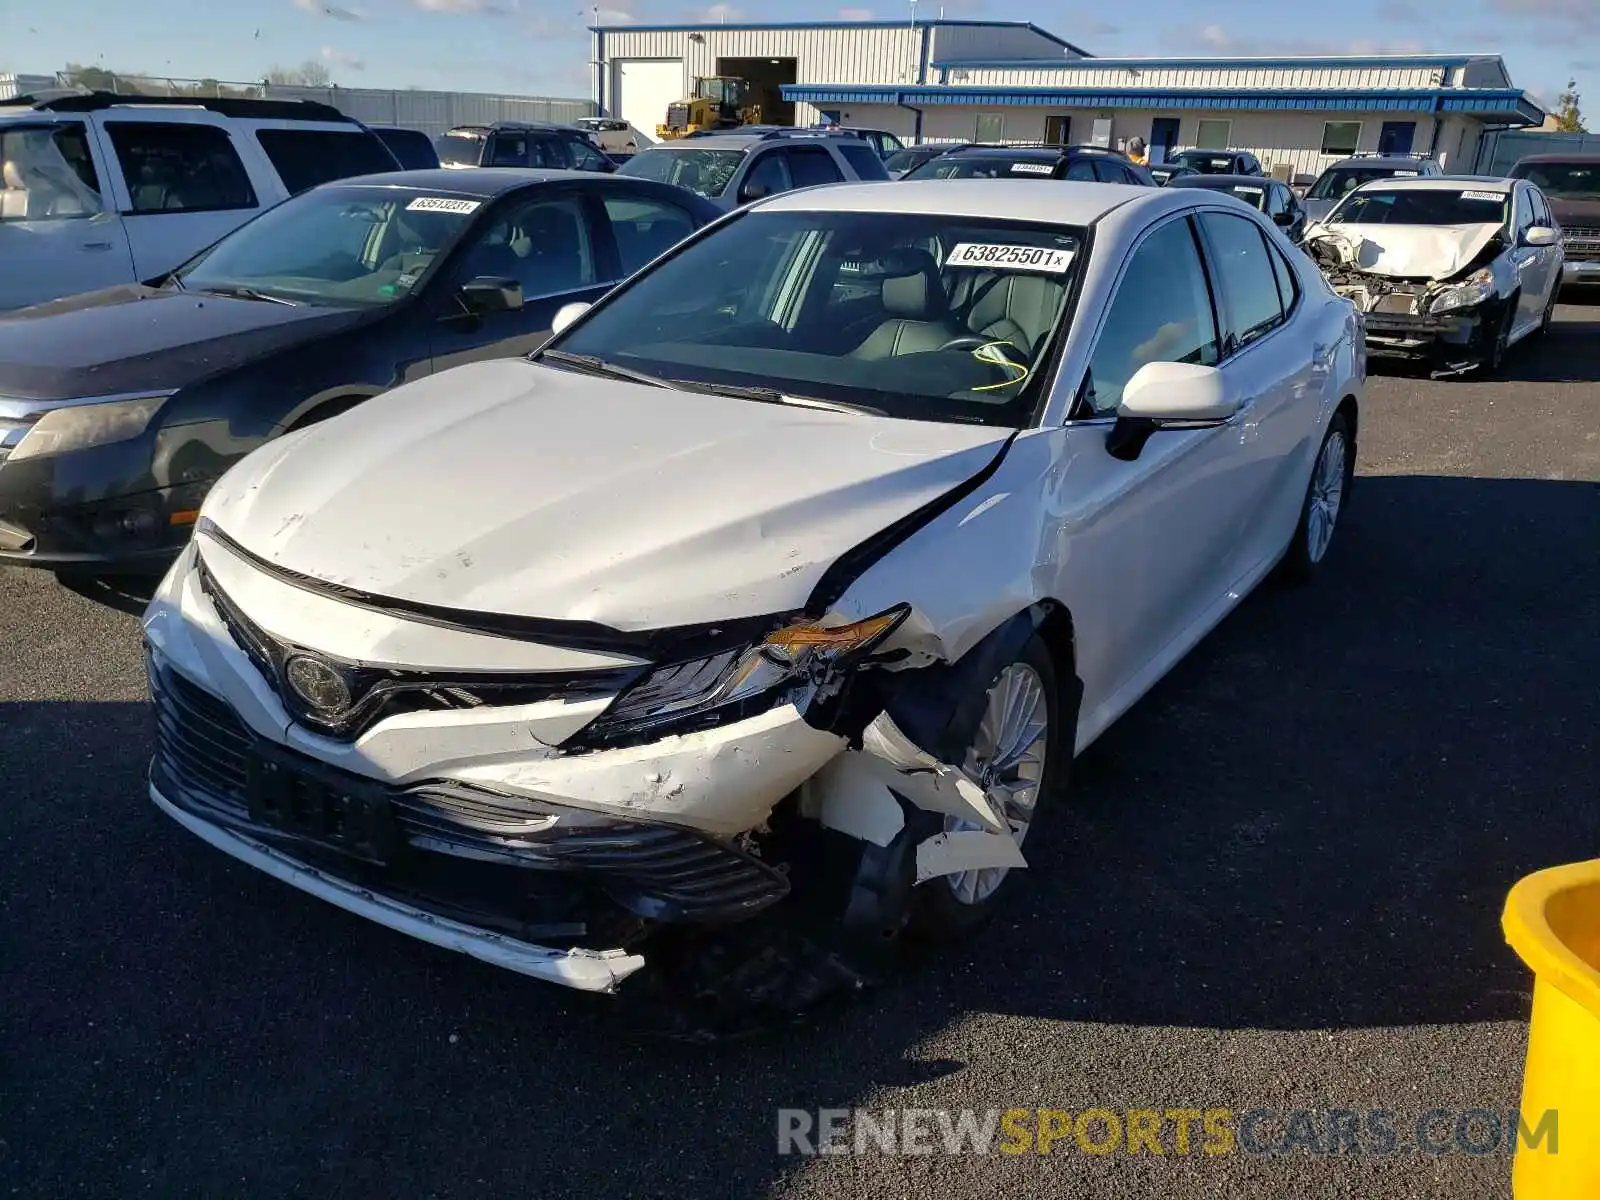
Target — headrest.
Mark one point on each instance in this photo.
(913, 288)
(11, 175)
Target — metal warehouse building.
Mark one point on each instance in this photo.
(992, 81)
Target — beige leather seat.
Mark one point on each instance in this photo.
(919, 311)
(14, 195)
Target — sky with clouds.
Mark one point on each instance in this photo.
(540, 47)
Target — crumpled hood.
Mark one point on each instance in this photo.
(1407, 251)
(511, 488)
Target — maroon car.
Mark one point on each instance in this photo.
(1571, 184)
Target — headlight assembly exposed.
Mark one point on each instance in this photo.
(1474, 290)
(83, 426)
(792, 657)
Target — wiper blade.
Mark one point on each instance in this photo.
(774, 396)
(243, 292)
(599, 366)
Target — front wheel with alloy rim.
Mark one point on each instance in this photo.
(1325, 495)
(1018, 753)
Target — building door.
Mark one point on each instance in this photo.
(1058, 130)
(1163, 139)
(1396, 136)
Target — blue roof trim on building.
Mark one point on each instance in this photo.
(1508, 104)
(1234, 63)
(709, 26)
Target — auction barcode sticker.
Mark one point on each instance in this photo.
(1010, 258)
(1483, 196)
(1027, 168)
(1246, 188)
(442, 204)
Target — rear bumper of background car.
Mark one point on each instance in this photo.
(1581, 273)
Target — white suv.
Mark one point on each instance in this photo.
(734, 168)
(100, 190)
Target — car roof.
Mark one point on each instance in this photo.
(512, 127)
(1381, 160)
(1051, 201)
(717, 141)
(1197, 152)
(1444, 183)
(483, 182)
(1584, 160)
(1219, 182)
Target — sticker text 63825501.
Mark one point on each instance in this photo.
(1483, 195)
(999, 257)
(442, 204)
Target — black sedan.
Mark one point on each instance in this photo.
(120, 408)
(1276, 200)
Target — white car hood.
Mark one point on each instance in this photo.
(1407, 251)
(511, 488)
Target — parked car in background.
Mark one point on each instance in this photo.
(905, 161)
(1449, 271)
(753, 589)
(1268, 196)
(1218, 162)
(1165, 173)
(520, 144)
(1570, 184)
(101, 189)
(1087, 163)
(1348, 174)
(612, 135)
(884, 143)
(119, 408)
(735, 167)
(413, 148)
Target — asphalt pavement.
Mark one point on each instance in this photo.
(1277, 885)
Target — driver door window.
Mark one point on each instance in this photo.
(585, 157)
(769, 172)
(1161, 313)
(544, 245)
(507, 150)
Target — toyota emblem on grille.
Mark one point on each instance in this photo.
(318, 684)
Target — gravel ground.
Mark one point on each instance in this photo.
(1278, 886)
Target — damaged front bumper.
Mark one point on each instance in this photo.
(1399, 327)
(473, 829)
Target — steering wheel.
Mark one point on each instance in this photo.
(1012, 354)
(965, 342)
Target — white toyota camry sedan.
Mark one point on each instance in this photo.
(795, 572)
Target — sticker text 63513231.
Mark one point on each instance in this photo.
(445, 204)
(999, 257)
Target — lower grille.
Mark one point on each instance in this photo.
(205, 751)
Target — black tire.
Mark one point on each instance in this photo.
(1302, 560)
(936, 913)
(1549, 317)
(1494, 353)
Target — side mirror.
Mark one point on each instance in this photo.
(566, 315)
(1283, 218)
(753, 189)
(1168, 395)
(1539, 235)
(490, 294)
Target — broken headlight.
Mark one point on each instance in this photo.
(741, 682)
(1470, 293)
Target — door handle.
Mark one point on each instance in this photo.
(97, 245)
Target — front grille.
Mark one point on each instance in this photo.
(677, 115)
(381, 692)
(1581, 243)
(205, 751)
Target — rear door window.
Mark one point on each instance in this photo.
(585, 157)
(1081, 168)
(1251, 304)
(180, 167)
(645, 228)
(863, 161)
(304, 158)
(507, 150)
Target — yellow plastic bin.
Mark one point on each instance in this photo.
(1552, 920)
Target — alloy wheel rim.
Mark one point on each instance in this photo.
(1008, 756)
(1327, 494)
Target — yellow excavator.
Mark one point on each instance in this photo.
(719, 102)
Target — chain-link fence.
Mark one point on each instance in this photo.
(431, 112)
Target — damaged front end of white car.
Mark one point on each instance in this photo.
(379, 711)
(1431, 295)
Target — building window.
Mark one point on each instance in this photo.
(991, 127)
(1341, 137)
(1058, 130)
(1214, 135)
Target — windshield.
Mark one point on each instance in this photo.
(1206, 163)
(1335, 182)
(341, 246)
(1422, 206)
(984, 166)
(700, 170)
(460, 149)
(904, 160)
(1569, 181)
(925, 317)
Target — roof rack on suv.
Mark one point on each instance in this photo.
(228, 106)
(1393, 154)
(805, 133)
